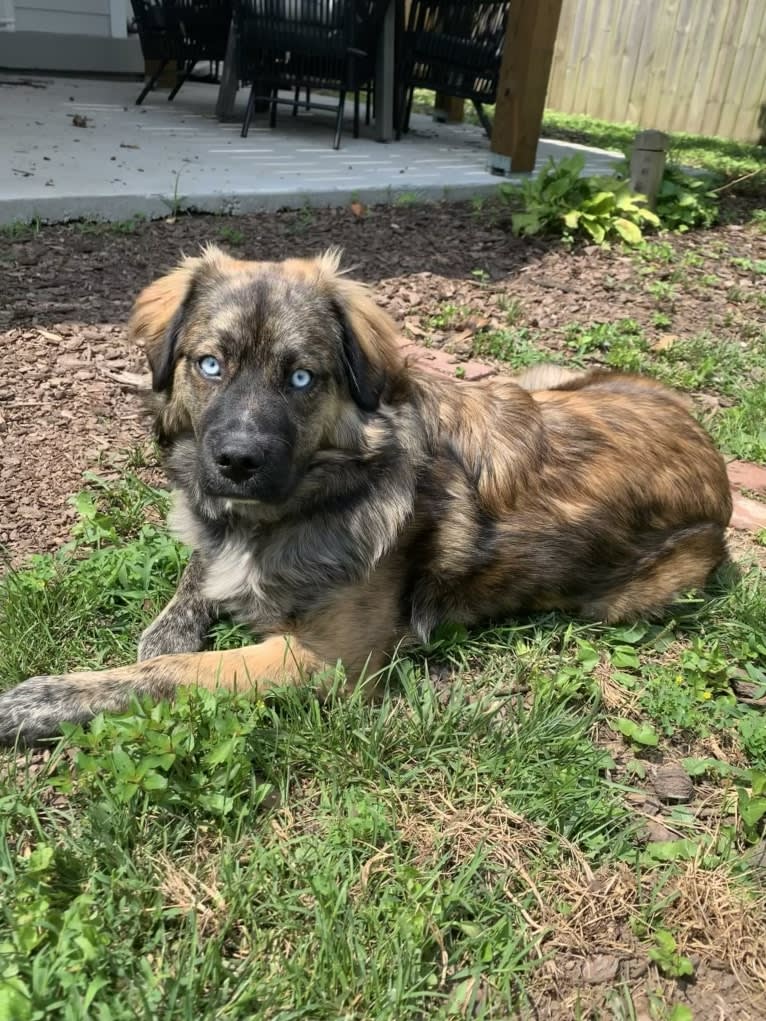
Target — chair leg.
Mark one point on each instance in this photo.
(408, 114)
(486, 123)
(356, 113)
(151, 83)
(339, 119)
(401, 108)
(405, 106)
(368, 104)
(181, 80)
(273, 108)
(296, 100)
(249, 111)
(308, 97)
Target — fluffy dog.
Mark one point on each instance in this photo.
(342, 502)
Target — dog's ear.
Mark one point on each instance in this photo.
(366, 379)
(370, 350)
(162, 310)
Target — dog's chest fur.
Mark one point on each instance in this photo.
(273, 575)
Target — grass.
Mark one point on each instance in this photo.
(719, 156)
(415, 857)
(470, 845)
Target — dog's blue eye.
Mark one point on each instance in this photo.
(300, 379)
(209, 367)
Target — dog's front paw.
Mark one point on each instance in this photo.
(36, 708)
(177, 630)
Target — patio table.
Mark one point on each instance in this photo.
(385, 77)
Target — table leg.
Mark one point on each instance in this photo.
(227, 91)
(385, 77)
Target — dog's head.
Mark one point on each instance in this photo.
(265, 365)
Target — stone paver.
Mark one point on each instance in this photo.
(749, 514)
(744, 475)
(442, 363)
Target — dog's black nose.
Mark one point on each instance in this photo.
(239, 461)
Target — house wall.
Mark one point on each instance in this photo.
(87, 36)
(69, 17)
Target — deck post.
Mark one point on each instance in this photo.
(530, 37)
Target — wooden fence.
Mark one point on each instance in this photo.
(676, 65)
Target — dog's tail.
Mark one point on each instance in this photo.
(547, 377)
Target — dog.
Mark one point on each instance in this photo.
(344, 503)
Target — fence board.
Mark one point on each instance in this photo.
(675, 65)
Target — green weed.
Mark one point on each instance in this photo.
(667, 958)
(21, 230)
(621, 345)
(231, 235)
(514, 345)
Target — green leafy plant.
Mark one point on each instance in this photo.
(560, 200)
(751, 802)
(642, 734)
(667, 958)
(195, 753)
(231, 235)
(513, 345)
(621, 344)
(686, 200)
(680, 1012)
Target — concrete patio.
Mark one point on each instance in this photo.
(81, 149)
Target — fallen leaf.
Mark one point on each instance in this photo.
(666, 341)
(358, 209)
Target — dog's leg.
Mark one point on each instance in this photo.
(37, 707)
(359, 628)
(183, 624)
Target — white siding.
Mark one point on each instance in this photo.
(69, 17)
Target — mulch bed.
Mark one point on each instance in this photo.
(68, 401)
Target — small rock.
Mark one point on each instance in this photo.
(748, 515)
(636, 968)
(673, 784)
(602, 968)
(656, 832)
(756, 856)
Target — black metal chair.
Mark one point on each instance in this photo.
(307, 44)
(453, 48)
(183, 31)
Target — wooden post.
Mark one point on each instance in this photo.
(647, 164)
(448, 109)
(530, 37)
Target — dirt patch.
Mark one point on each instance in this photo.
(595, 928)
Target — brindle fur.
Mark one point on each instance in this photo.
(388, 500)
